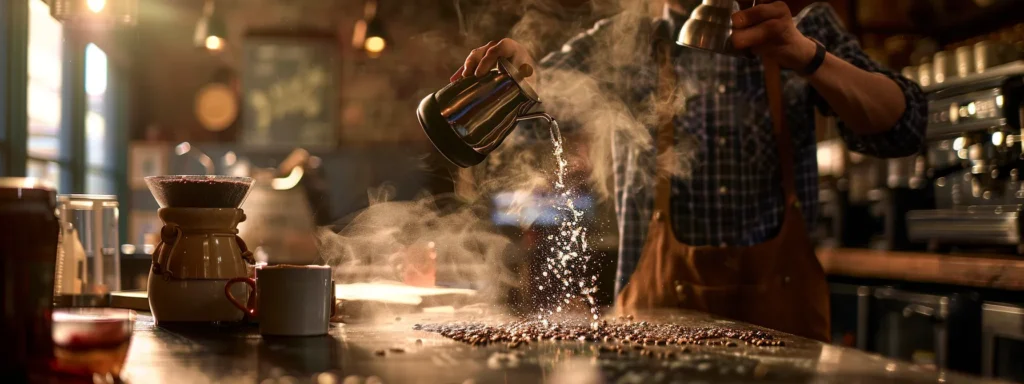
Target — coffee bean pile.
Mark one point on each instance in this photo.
(627, 332)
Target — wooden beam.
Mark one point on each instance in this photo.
(981, 271)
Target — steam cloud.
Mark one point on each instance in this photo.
(598, 104)
(378, 243)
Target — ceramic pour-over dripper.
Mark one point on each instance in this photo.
(199, 239)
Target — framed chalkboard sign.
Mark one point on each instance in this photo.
(289, 90)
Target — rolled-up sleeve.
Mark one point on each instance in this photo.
(906, 137)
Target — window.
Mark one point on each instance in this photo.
(99, 156)
(49, 147)
(45, 47)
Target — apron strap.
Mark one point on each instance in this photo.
(667, 81)
(783, 139)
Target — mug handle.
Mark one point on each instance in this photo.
(249, 309)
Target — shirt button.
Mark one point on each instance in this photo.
(722, 190)
(721, 88)
(722, 141)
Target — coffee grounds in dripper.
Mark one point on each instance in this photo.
(199, 191)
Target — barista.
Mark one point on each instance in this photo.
(732, 239)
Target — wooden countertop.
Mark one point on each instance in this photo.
(236, 353)
(984, 271)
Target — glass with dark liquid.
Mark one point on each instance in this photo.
(89, 342)
(28, 251)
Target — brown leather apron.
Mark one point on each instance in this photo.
(778, 284)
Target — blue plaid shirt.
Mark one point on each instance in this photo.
(734, 196)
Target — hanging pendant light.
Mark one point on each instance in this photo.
(370, 35)
(95, 12)
(211, 31)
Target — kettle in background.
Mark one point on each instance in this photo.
(281, 224)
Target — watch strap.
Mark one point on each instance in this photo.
(816, 61)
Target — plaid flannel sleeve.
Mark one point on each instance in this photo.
(820, 22)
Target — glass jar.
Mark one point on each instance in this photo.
(88, 259)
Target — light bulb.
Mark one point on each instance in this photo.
(375, 44)
(96, 5)
(214, 43)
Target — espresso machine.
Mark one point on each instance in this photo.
(974, 162)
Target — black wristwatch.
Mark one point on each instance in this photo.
(819, 58)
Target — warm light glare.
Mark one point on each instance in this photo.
(96, 5)
(958, 144)
(95, 70)
(214, 43)
(997, 138)
(971, 109)
(182, 148)
(288, 182)
(999, 101)
(375, 44)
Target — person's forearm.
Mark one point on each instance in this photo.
(868, 102)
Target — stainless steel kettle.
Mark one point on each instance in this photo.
(709, 28)
(470, 117)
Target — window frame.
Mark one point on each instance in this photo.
(74, 168)
(14, 86)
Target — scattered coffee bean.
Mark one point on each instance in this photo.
(627, 333)
(380, 352)
(419, 342)
(397, 350)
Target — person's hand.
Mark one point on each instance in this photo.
(484, 59)
(768, 30)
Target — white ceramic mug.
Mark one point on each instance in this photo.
(289, 300)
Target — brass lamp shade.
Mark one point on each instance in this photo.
(95, 12)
